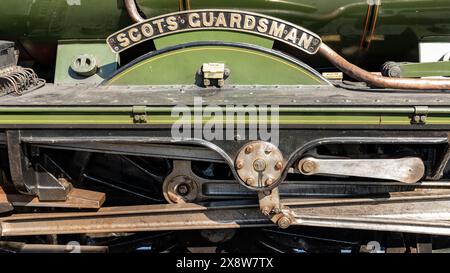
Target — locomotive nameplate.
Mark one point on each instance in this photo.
(229, 20)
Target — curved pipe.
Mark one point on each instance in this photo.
(380, 81)
(132, 10)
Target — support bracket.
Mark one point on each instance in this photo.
(34, 179)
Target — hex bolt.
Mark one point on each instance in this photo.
(239, 164)
(284, 222)
(278, 165)
(308, 166)
(249, 149)
(423, 119)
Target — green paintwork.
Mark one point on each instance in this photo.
(400, 25)
(168, 116)
(68, 50)
(247, 67)
(431, 69)
(223, 36)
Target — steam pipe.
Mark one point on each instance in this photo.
(132, 10)
(380, 81)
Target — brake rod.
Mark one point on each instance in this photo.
(425, 211)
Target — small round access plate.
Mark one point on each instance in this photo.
(259, 164)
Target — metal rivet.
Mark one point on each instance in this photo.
(249, 181)
(278, 165)
(239, 164)
(249, 149)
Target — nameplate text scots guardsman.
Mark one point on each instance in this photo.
(197, 20)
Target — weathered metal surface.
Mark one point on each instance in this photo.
(34, 179)
(259, 164)
(416, 212)
(406, 170)
(77, 198)
(5, 205)
(151, 150)
(317, 96)
(74, 247)
(182, 185)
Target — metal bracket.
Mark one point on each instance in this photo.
(420, 115)
(270, 205)
(34, 179)
(214, 72)
(140, 114)
(406, 170)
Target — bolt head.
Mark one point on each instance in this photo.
(239, 164)
(269, 181)
(249, 149)
(308, 166)
(249, 181)
(278, 165)
(284, 222)
(183, 189)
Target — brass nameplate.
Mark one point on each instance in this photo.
(197, 20)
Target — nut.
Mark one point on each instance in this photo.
(183, 189)
(284, 222)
